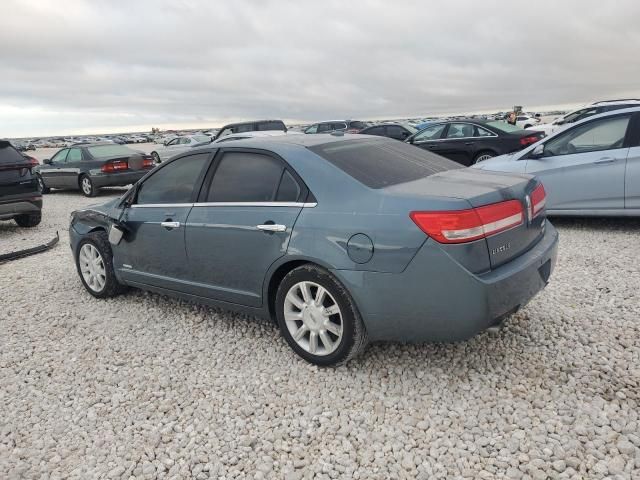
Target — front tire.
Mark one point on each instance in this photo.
(29, 220)
(156, 157)
(87, 187)
(94, 262)
(318, 318)
(41, 186)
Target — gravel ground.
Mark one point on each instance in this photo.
(144, 386)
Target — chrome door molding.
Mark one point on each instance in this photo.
(228, 204)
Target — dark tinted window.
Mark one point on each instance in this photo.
(339, 126)
(397, 132)
(245, 177)
(289, 190)
(375, 131)
(173, 183)
(357, 124)
(379, 163)
(271, 126)
(245, 127)
(324, 127)
(8, 154)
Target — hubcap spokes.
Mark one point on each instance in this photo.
(86, 185)
(313, 318)
(92, 267)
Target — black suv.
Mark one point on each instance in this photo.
(20, 198)
(255, 126)
(89, 166)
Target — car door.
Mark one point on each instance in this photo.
(241, 224)
(53, 174)
(153, 251)
(583, 167)
(632, 173)
(170, 149)
(73, 164)
(458, 143)
(429, 138)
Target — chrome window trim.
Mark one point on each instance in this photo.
(456, 138)
(255, 204)
(227, 204)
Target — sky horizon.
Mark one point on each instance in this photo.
(116, 66)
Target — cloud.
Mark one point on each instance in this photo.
(79, 66)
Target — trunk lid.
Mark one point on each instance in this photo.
(16, 177)
(474, 188)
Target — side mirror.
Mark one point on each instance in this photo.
(47, 161)
(537, 152)
(409, 140)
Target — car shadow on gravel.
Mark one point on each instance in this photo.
(598, 223)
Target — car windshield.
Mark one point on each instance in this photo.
(201, 138)
(382, 163)
(411, 128)
(104, 151)
(503, 126)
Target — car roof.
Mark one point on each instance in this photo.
(250, 122)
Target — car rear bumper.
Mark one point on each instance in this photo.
(437, 299)
(19, 206)
(119, 179)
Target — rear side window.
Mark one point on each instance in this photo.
(263, 126)
(289, 190)
(324, 127)
(8, 154)
(245, 127)
(379, 163)
(173, 183)
(357, 124)
(245, 177)
(375, 131)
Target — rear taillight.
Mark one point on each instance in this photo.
(147, 162)
(467, 225)
(525, 141)
(115, 166)
(538, 200)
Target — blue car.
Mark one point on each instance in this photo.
(341, 239)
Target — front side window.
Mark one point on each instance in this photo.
(312, 129)
(60, 157)
(173, 183)
(226, 131)
(245, 177)
(432, 132)
(460, 130)
(603, 134)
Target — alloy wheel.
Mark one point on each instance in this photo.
(86, 186)
(484, 157)
(313, 318)
(92, 267)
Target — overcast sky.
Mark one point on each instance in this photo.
(78, 66)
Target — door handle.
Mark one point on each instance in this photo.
(169, 224)
(272, 227)
(604, 161)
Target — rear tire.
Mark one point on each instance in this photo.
(325, 328)
(29, 220)
(96, 271)
(87, 187)
(482, 156)
(156, 157)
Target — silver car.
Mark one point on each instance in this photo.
(176, 146)
(591, 168)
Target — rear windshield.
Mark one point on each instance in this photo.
(503, 126)
(104, 151)
(8, 154)
(379, 163)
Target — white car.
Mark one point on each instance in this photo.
(525, 121)
(584, 112)
(178, 145)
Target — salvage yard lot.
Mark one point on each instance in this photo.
(150, 386)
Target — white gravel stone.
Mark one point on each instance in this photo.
(143, 386)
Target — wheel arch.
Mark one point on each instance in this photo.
(277, 272)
